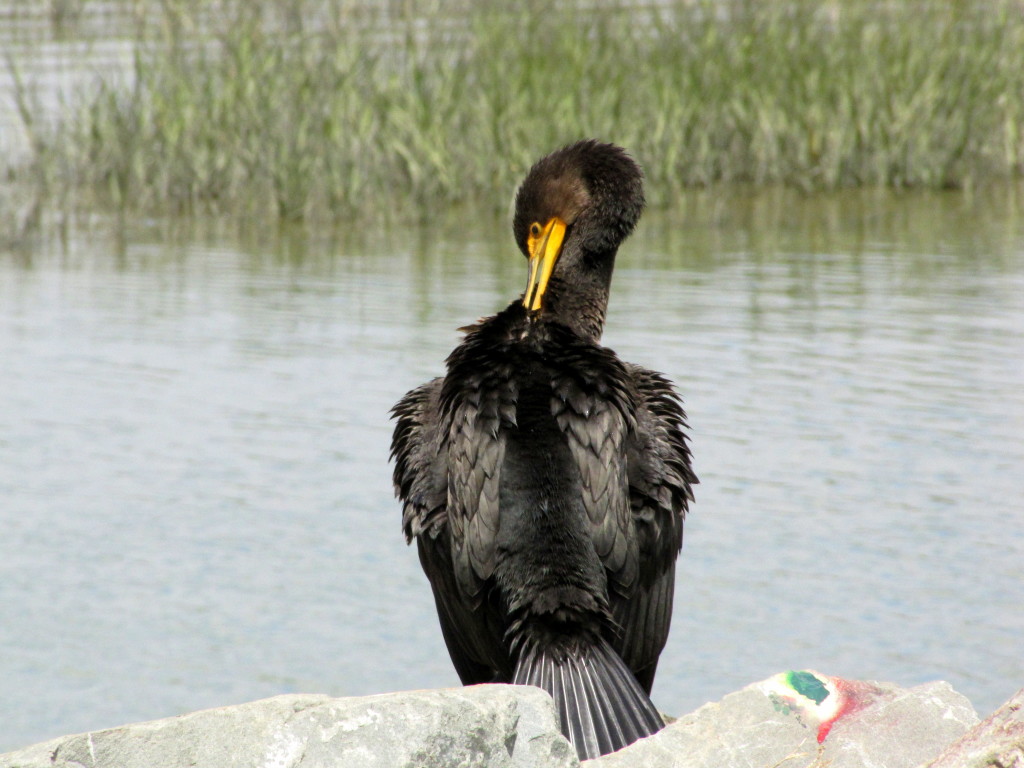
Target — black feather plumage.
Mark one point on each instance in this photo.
(546, 482)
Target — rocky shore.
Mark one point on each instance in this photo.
(795, 719)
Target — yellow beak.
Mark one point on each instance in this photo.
(544, 250)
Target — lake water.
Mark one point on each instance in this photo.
(195, 497)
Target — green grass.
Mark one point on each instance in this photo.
(325, 111)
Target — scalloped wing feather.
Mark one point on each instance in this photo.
(420, 475)
(592, 406)
(476, 401)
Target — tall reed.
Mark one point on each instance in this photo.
(314, 110)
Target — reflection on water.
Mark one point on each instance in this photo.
(195, 497)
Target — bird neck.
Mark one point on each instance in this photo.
(579, 299)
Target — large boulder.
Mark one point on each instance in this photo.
(795, 719)
(487, 725)
(800, 719)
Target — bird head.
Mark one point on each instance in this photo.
(572, 211)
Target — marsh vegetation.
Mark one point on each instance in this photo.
(319, 110)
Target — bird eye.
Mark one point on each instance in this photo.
(535, 229)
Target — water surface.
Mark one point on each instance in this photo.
(195, 498)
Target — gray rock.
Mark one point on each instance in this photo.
(793, 720)
(802, 719)
(996, 741)
(486, 725)
(900, 727)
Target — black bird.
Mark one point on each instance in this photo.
(544, 480)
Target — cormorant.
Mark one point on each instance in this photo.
(546, 481)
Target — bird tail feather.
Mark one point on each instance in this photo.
(601, 707)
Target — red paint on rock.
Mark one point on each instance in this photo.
(851, 698)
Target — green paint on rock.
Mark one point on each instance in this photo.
(808, 685)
